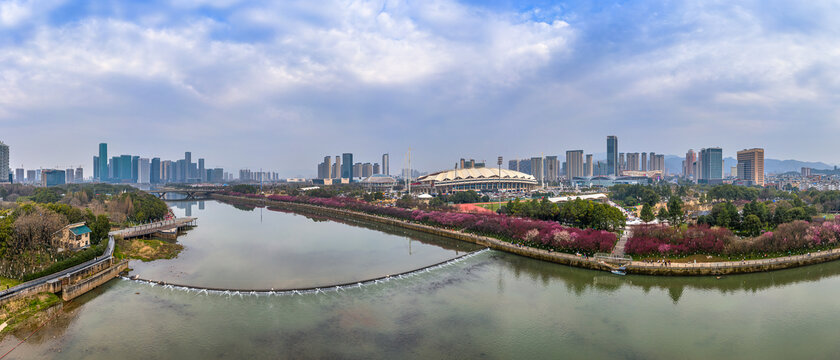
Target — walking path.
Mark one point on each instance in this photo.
(618, 250)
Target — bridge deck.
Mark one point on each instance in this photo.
(152, 228)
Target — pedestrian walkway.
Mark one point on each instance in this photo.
(618, 250)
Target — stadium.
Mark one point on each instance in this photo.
(478, 179)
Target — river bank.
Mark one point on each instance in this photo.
(633, 267)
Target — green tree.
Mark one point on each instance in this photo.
(662, 215)
(752, 225)
(676, 214)
(46, 195)
(647, 213)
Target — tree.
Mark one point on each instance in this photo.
(46, 195)
(35, 229)
(662, 215)
(752, 225)
(647, 213)
(676, 214)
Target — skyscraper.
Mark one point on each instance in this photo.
(688, 165)
(125, 168)
(552, 171)
(103, 162)
(347, 166)
(537, 169)
(589, 167)
(574, 164)
(19, 175)
(751, 166)
(135, 168)
(154, 171)
(612, 155)
(4, 162)
(711, 165)
(143, 171)
(621, 163)
(632, 162)
(80, 175)
(386, 164)
(513, 165)
(96, 168)
(376, 169)
(202, 173)
(336, 168)
(187, 166)
(643, 162)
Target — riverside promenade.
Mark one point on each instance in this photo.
(633, 267)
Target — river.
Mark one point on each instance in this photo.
(490, 305)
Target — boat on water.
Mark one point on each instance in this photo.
(619, 272)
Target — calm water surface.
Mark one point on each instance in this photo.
(263, 249)
(492, 305)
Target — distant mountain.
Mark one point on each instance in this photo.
(771, 166)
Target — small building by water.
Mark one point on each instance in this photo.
(73, 237)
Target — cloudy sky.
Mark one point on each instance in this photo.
(281, 85)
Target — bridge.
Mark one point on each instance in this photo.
(154, 227)
(191, 193)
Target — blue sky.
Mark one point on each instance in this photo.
(281, 84)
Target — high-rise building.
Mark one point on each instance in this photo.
(367, 170)
(154, 171)
(552, 169)
(357, 170)
(651, 161)
(751, 166)
(612, 155)
(588, 169)
(202, 173)
(688, 165)
(621, 164)
(376, 169)
(19, 175)
(711, 165)
(327, 168)
(386, 164)
(187, 166)
(125, 168)
(643, 162)
(4, 162)
(806, 172)
(537, 169)
(135, 168)
(96, 168)
(68, 176)
(103, 162)
(513, 165)
(632, 162)
(32, 176)
(574, 164)
(336, 168)
(347, 166)
(52, 177)
(80, 175)
(166, 171)
(144, 168)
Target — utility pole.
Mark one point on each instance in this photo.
(409, 170)
(500, 183)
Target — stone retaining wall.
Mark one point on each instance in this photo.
(635, 267)
(70, 292)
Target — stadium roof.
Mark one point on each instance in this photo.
(475, 173)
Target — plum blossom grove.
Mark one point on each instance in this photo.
(543, 234)
(793, 237)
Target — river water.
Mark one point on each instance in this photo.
(491, 305)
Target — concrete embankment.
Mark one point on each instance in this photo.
(635, 267)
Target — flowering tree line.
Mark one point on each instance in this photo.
(538, 233)
(789, 238)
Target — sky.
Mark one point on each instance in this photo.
(280, 85)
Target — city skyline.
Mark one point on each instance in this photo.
(380, 76)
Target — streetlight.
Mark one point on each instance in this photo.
(500, 183)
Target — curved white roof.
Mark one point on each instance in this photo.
(475, 173)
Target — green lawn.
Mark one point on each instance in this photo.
(4, 282)
(491, 206)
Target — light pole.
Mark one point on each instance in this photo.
(500, 183)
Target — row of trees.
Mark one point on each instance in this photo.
(578, 213)
(757, 216)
